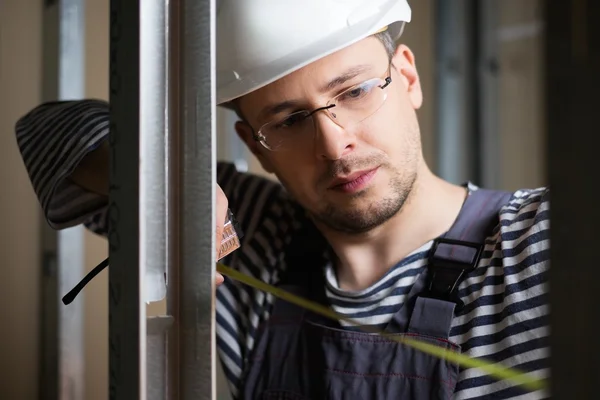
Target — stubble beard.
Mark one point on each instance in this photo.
(355, 221)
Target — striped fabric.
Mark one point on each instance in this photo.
(505, 317)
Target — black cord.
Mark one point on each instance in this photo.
(69, 297)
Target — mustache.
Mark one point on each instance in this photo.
(347, 166)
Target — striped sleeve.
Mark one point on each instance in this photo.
(267, 217)
(53, 139)
(505, 317)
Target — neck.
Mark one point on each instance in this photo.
(430, 210)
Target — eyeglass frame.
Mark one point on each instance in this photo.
(387, 81)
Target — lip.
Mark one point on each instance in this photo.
(353, 182)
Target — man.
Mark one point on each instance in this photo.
(329, 107)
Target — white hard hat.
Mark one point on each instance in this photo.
(260, 41)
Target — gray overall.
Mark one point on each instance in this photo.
(301, 355)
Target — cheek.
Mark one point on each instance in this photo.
(295, 171)
(392, 131)
(379, 133)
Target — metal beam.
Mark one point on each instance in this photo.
(456, 115)
(62, 374)
(193, 109)
(487, 92)
(572, 63)
(162, 188)
(127, 313)
(153, 186)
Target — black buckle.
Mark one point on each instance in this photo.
(445, 274)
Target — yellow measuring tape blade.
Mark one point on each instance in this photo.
(490, 368)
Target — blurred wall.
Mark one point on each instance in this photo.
(96, 292)
(20, 256)
(419, 35)
(521, 117)
(20, 90)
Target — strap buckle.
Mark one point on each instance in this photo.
(448, 263)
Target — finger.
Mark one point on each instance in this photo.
(221, 215)
(219, 279)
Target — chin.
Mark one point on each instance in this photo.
(360, 214)
(366, 197)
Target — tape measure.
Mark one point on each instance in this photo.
(231, 242)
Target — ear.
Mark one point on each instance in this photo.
(404, 63)
(245, 133)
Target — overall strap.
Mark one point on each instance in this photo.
(303, 274)
(451, 258)
(458, 251)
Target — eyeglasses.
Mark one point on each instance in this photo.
(350, 107)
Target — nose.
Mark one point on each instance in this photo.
(332, 141)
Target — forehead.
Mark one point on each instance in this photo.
(311, 83)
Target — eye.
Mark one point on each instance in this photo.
(357, 92)
(290, 120)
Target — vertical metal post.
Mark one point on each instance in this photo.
(153, 99)
(173, 179)
(162, 194)
(572, 60)
(192, 178)
(127, 319)
(456, 113)
(153, 186)
(490, 175)
(70, 241)
(63, 365)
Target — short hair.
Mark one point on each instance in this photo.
(388, 42)
(384, 37)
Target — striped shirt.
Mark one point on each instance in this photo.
(505, 317)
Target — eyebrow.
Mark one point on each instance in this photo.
(278, 107)
(346, 76)
(349, 74)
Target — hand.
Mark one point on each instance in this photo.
(222, 204)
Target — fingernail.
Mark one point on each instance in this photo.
(219, 278)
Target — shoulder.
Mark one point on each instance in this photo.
(524, 232)
(527, 210)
